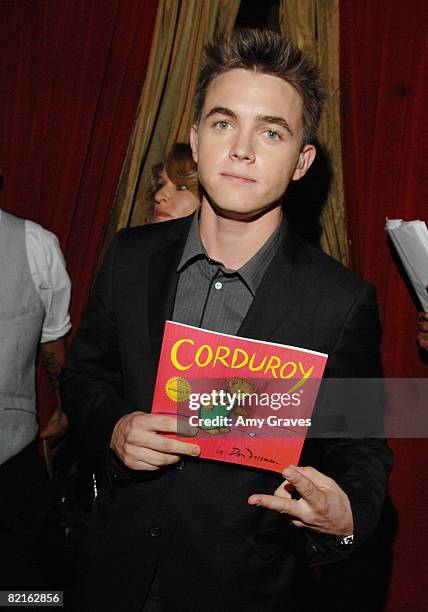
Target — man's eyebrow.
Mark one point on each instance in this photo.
(221, 110)
(276, 121)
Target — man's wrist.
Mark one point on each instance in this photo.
(346, 542)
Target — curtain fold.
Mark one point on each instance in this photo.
(314, 26)
(165, 109)
(71, 73)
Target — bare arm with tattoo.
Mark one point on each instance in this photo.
(53, 357)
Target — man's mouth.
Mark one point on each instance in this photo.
(237, 178)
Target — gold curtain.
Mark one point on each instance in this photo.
(314, 26)
(165, 109)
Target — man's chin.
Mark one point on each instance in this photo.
(241, 215)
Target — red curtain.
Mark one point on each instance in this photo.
(384, 86)
(71, 73)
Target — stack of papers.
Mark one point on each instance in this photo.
(410, 238)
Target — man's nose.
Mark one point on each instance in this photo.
(242, 147)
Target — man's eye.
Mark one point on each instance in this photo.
(181, 187)
(223, 125)
(272, 135)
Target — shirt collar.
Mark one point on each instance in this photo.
(251, 273)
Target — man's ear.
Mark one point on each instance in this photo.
(194, 141)
(306, 157)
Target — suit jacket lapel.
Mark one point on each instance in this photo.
(278, 291)
(163, 281)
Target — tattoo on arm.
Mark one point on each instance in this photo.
(52, 367)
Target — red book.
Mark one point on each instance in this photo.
(242, 401)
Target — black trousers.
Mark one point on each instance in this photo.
(25, 503)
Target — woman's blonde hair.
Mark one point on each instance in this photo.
(180, 168)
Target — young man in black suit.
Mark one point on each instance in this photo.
(170, 531)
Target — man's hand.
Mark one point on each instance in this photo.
(423, 330)
(323, 506)
(139, 444)
(57, 426)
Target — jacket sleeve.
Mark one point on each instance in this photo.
(360, 463)
(91, 382)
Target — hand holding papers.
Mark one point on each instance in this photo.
(410, 239)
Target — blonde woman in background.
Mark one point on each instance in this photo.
(174, 189)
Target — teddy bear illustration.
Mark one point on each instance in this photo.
(210, 411)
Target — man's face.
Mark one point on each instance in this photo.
(248, 142)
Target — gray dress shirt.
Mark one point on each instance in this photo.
(213, 297)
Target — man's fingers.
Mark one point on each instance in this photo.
(163, 444)
(138, 458)
(319, 479)
(323, 506)
(156, 422)
(142, 465)
(137, 441)
(166, 424)
(302, 483)
(53, 430)
(184, 428)
(284, 490)
(57, 426)
(283, 505)
(299, 524)
(143, 431)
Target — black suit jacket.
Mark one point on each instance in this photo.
(213, 550)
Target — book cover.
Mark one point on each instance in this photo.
(242, 401)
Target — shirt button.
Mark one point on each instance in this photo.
(180, 465)
(218, 285)
(154, 532)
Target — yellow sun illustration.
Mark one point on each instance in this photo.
(178, 389)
